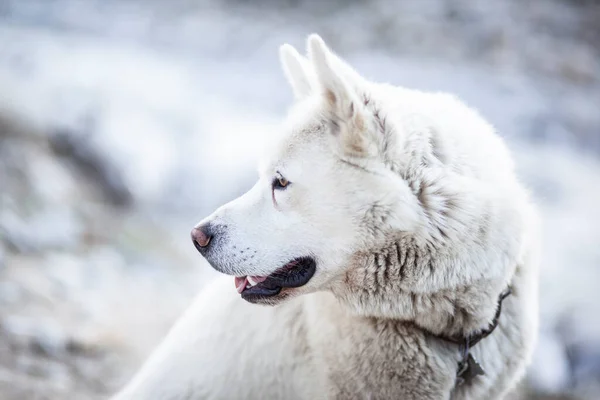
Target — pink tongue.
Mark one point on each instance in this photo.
(241, 282)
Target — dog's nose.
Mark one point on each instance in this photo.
(202, 236)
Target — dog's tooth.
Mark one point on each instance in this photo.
(251, 281)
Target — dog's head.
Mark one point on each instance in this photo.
(323, 191)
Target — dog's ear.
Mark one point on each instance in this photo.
(297, 70)
(345, 111)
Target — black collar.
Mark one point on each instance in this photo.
(468, 367)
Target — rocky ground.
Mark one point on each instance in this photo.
(122, 123)
(87, 282)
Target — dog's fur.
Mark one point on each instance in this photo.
(409, 203)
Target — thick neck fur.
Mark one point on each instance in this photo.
(389, 284)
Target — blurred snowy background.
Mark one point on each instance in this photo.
(124, 122)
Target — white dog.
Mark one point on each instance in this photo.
(385, 225)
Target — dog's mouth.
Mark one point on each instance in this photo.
(294, 274)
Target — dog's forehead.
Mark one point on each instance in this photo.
(301, 135)
(293, 147)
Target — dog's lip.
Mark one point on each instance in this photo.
(294, 274)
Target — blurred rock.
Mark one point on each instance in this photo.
(42, 335)
(79, 149)
(52, 228)
(51, 182)
(2, 254)
(580, 331)
(585, 358)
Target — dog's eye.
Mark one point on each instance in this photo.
(280, 182)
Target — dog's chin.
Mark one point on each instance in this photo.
(279, 285)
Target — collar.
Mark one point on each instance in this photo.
(468, 367)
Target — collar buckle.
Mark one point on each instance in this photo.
(468, 367)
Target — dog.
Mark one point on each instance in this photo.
(372, 259)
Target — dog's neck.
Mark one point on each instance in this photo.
(404, 281)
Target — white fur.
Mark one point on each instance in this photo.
(409, 203)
